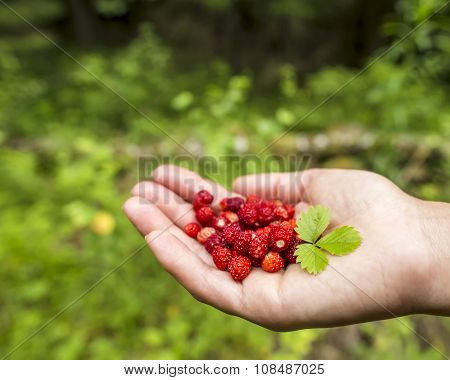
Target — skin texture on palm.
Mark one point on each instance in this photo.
(387, 276)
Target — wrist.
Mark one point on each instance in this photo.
(435, 232)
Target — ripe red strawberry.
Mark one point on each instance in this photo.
(288, 253)
(286, 224)
(290, 210)
(239, 267)
(280, 213)
(255, 262)
(205, 215)
(263, 231)
(230, 232)
(242, 242)
(293, 223)
(221, 257)
(204, 234)
(289, 258)
(258, 247)
(220, 222)
(248, 214)
(205, 197)
(265, 213)
(272, 262)
(279, 237)
(192, 229)
(253, 199)
(230, 215)
(215, 240)
(231, 204)
(202, 198)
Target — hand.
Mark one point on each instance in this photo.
(394, 272)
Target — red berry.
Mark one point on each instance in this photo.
(220, 222)
(242, 242)
(205, 215)
(230, 232)
(215, 240)
(272, 262)
(290, 210)
(293, 223)
(258, 247)
(204, 234)
(252, 198)
(231, 204)
(239, 267)
(202, 198)
(230, 215)
(192, 229)
(290, 258)
(263, 231)
(280, 213)
(265, 213)
(288, 254)
(279, 237)
(221, 257)
(248, 214)
(255, 262)
(234, 253)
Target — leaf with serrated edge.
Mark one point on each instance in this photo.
(313, 222)
(341, 241)
(311, 258)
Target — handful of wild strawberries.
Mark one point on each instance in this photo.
(246, 233)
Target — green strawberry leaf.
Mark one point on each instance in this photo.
(341, 241)
(313, 222)
(311, 258)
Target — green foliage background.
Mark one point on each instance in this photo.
(68, 157)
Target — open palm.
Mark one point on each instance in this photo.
(381, 279)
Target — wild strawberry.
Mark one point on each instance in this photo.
(255, 262)
(286, 224)
(204, 234)
(202, 198)
(279, 237)
(231, 204)
(290, 210)
(265, 213)
(205, 215)
(263, 231)
(248, 214)
(221, 257)
(253, 199)
(293, 222)
(288, 253)
(230, 232)
(230, 215)
(239, 267)
(258, 247)
(220, 222)
(289, 258)
(280, 213)
(215, 240)
(242, 242)
(260, 231)
(272, 262)
(192, 229)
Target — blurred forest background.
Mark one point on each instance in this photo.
(212, 73)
